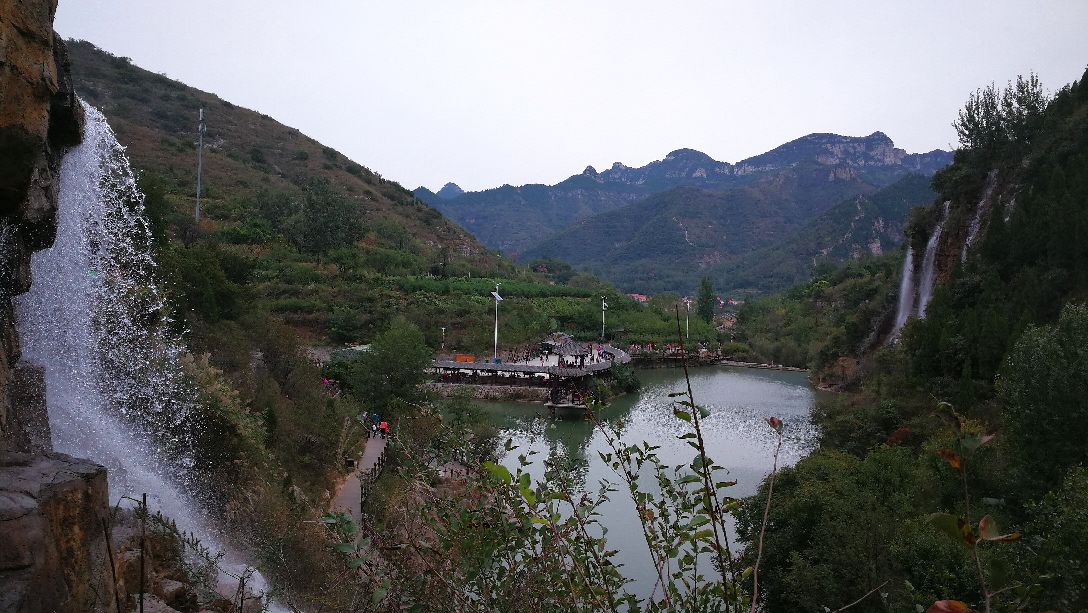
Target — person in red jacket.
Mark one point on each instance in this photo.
(384, 427)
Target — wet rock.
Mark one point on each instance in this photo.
(39, 117)
(154, 604)
(29, 419)
(54, 558)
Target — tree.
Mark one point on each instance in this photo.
(993, 116)
(391, 372)
(325, 221)
(1045, 388)
(706, 300)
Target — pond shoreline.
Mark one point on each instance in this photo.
(674, 362)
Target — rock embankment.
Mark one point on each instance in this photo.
(53, 554)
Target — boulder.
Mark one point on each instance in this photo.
(53, 556)
(153, 604)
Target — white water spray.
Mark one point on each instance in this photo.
(929, 265)
(95, 319)
(980, 210)
(906, 294)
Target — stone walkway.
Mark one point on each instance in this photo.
(349, 498)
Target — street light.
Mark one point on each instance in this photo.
(498, 299)
(443, 338)
(687, 319)
(604, 307)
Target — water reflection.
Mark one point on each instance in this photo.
(736, 434)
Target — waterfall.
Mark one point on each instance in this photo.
(980, 210)
(95, 318)
(906, 294)
(929, 265)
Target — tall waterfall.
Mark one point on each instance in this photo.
(929, 265)
(980, 210)
(906, 294)
(95, 319)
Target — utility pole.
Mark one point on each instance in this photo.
(498, 299)
(604, 307)
(443, 338)
(200, 128)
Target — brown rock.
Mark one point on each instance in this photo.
(54, 554)
(154, 604)
(39, 117)
(170, 590)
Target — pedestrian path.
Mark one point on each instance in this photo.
(349, 498)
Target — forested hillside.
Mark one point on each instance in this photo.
(759, 238)
(975, 418)
(858, 227)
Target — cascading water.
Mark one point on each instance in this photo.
(980, 210)
(95, 319)
(929, 265)
(906, 294)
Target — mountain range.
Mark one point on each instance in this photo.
(663, 225)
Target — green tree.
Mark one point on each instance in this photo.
(1060, 521)
(706, 300)
(390, 373)
(1045, 387)
(325, 221)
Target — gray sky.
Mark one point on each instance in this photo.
(518, 91)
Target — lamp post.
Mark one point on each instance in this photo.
(687, 319)
(443, 338)
(604, 307)
(498, 299)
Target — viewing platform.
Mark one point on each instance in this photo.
(545, 371)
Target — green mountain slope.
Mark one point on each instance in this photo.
(294, 232)
(668, 241)
(245, 152)
(855, 228)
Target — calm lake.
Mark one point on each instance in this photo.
(736, 433)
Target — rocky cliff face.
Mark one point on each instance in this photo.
(39, 117)
(53, 555)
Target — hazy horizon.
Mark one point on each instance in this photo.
(483, 93)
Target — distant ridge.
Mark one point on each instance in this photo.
(514, 219)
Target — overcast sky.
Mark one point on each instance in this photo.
(519, 91)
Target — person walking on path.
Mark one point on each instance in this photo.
(384, 428)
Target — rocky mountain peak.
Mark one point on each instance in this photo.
(450, 191)
(590, 171)
(689, 155)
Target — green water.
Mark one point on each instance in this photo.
(736, 435)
